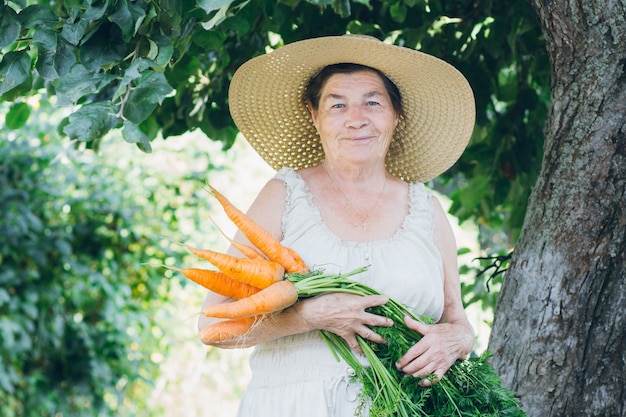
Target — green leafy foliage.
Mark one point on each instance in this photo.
(81, 302)
(163, 67)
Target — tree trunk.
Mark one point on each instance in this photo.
(560, 322)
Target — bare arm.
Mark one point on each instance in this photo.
(452, 337)
(343, 314)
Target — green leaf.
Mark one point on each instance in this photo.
(218, 18)
(56, 56)
(143, 99)
(73, 31)
(222, 132)
(17, 115)
(222, 14)
(4, 296)
(398, 12)
(132, 73)
(129, 18)
(211, 5)
(91, 121)
(475, 191)
(165, 50)
(14, 70)
(38, 16)
(46, 39)
(103, 48)
(45, 65)
(342, 7)
(81, 82)
(209, 39)
(9, 26)
(96, 10)
(133, 134)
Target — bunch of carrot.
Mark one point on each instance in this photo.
(255, 281)
(272, 277)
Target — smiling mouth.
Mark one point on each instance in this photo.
(359, 138)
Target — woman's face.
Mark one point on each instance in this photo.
(355, 117)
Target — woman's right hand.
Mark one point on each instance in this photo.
(344, 314)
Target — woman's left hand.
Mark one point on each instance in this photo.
(441, 345)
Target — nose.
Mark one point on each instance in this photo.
(356, 118)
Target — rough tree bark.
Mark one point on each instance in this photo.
(560, 322)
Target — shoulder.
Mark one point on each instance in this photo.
(439, 214)
(444, 234)
(269, 205)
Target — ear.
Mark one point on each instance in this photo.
(312, 111)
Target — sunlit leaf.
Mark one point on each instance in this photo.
(18, 115)
(211, 5)
(398, 12)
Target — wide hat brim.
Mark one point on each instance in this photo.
(266, 102)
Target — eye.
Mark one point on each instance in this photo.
(372, 103)
(338, 106)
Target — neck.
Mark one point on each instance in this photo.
(356, 176)
(358, 196)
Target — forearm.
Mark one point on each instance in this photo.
(339, 313)
(464, 336)
(286, 323)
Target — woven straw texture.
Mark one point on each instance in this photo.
(267, 105)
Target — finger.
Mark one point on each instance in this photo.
(431, 379)
(354, 344)
(411, 361)
(421, 328)
(369, 334)
(376, 320)
(374, 300)
(420, 367)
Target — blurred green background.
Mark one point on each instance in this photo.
(92, 321)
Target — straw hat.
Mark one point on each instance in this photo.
(267, 104)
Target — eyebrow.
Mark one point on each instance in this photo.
(367, 95)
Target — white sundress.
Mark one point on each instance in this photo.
(297, 376)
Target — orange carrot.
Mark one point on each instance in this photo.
(226, 330)
(219, 283)
(274, 298)
(261, 238)
(259, 273)
(246, 250)
(300, 266)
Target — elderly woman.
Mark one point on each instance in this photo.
(354, 127)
